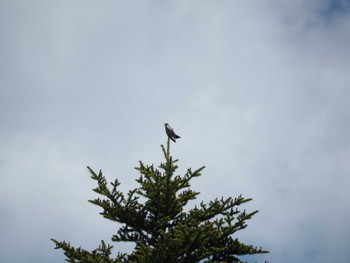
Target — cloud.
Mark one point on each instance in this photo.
(257, 91)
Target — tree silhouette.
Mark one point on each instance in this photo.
(152, 216)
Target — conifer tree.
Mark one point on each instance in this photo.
(152, 216)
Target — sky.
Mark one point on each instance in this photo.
(257, 90)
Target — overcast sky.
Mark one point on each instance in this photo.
(258, 91)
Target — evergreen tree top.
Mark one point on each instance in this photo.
(153, 218)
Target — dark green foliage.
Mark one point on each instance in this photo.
(153, 217)
(99, 255)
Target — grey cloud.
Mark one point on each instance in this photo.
(85, 83)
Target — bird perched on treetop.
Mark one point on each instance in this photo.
(170, 132)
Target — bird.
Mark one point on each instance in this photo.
(170, 132)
